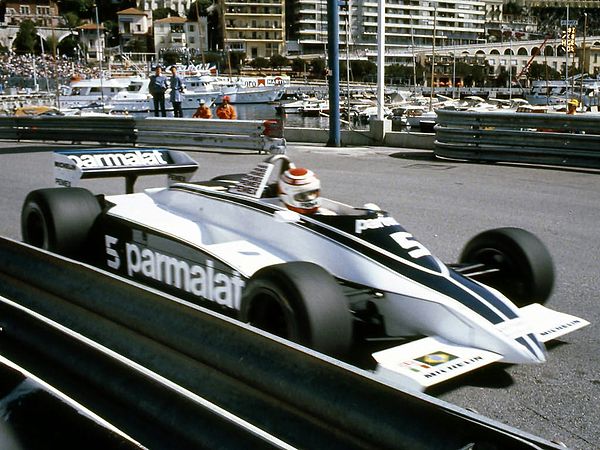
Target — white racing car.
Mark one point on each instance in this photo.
(323, 280)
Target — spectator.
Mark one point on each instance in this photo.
(203, 111)
(226, 110)
(177, 87)
(572, 106)
(157, 88)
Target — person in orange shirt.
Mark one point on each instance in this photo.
(203, 111)
(226, 110)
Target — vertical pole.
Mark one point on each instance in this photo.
(567, 57)
(380, 59)
(333, 30)
(98, 57)
(433, 57)
(582, 63)
(348, 64)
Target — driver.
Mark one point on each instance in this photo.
(299, 190)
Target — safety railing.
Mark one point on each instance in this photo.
(540, 138)
(74, 129)
(260, 135)
(171, 375)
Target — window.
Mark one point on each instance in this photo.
(24, 10)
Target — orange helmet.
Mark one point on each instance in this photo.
(226, 98)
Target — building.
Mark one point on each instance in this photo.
(44, 14)
(134, 29)
(255, 28)
(93, 40)
(41, 13)
(407, 23)
(181, 7)
(179, 35)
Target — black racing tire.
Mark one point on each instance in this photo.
(525, 269)
(59, 219)
(301, 302)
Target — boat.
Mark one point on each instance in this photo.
(80, 93)
(267, 89)
(556, 92)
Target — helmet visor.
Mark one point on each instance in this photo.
(307, 196)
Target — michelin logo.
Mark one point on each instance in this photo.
(199, 280)
(119, 159)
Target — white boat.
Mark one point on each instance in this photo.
(556, 92)
(136, 98)
(252, 89)
(81, 93)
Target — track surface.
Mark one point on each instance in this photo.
(443, 203)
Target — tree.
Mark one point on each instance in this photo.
(71, 20)
(260, 63)
(162, 13)
(542, 71)
(69, 46)
(298, 65)
(278, 61)
(363, 69)
(317, 68)
(26, 37)
(204, 8)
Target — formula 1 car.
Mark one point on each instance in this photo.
(322, 280)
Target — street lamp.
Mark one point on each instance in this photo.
(98, 48)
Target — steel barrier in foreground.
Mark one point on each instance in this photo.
(548, 138)
(75, 129)
(171, 375)
(260, 135)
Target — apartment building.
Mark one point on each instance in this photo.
(42, 13)
(180, 6)
(256, 27)
(177, 34)
(407, 23)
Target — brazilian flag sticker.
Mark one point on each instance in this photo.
(434, 359)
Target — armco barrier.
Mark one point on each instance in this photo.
(550, 138)
(259, 135)
(175, 376)
(262, 136)
(76, 129)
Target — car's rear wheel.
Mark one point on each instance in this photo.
(59, 219)
(302, 302)
(516, 263)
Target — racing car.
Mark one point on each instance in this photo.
(325, 281)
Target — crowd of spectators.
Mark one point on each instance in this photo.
(19, 70)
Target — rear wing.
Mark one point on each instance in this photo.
(70, 166)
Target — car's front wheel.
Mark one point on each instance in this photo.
(302, 302)
(59, 219)
(515, 262)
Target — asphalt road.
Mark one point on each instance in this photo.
(443, 204)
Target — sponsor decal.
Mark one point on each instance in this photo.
(372, 224)
(120, 159)
(433, 359)
(253, 184)
(454, 366)
(562, 327)
(200, 280)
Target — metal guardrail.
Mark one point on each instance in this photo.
(540, 138)
(74, 129)
(262, 136)
(259, 135)
(170, 375)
